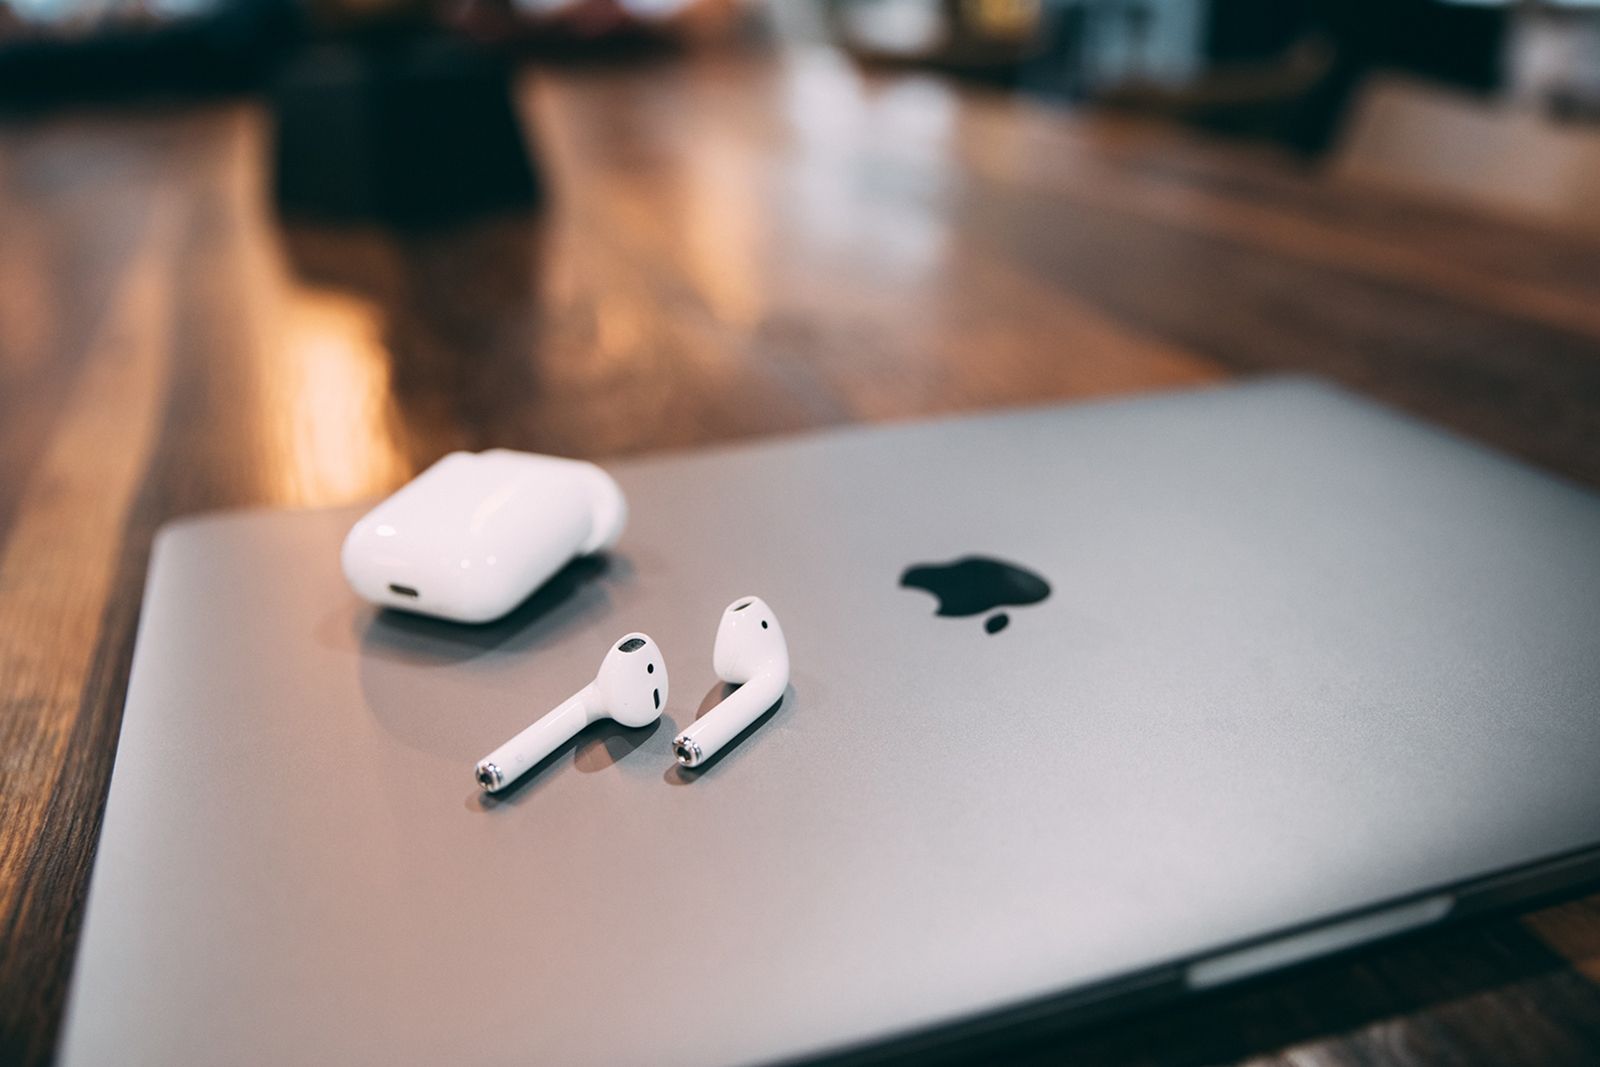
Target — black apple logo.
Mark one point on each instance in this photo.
(973, 585)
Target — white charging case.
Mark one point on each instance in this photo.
(472, 536)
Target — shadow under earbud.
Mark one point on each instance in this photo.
(423, 679)
(678, 774)
(610, 743)
(571, 592)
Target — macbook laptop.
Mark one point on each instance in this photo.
(1091, 707)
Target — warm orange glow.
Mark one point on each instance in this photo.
(322, 390)
(723, 233)
(332, 403)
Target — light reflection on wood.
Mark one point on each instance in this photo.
(323, 392)
(328, 402)
(60, 559)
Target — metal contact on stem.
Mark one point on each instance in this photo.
(489, 776)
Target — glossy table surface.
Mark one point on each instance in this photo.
(734, 246)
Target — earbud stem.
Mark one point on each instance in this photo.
(710, 732)
(519, 755)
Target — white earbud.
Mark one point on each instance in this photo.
(750, 652)
(630, 688)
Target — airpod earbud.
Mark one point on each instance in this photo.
(750, 652)
(630, 688)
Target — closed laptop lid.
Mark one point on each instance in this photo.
(1298, 657)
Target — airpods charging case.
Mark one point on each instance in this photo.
(475, 534)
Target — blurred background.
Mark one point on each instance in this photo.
(1442, 94)
(1287, 71)
(583, 200)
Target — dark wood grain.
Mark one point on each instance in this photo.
(735, 246)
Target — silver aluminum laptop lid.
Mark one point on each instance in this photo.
(1301, 658)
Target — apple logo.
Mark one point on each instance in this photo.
(973, 585)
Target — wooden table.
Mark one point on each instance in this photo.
(736, 246)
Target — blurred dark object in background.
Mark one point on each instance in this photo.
(392, 111)
(75, 51)
(401, 110)
(69, 52)
(1451, 44)
(409, 130)
(1288, 71)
